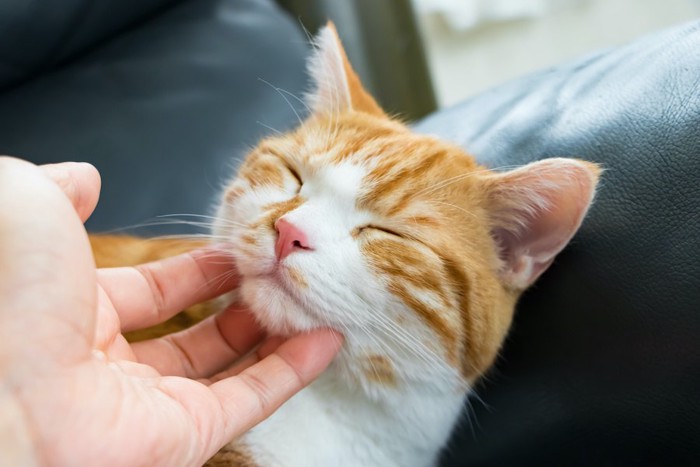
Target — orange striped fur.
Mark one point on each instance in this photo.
(411, 248)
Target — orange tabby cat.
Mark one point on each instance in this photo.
(403, 243)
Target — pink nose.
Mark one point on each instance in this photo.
(289, 239)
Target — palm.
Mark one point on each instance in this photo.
(87, 396)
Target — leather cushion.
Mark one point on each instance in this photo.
(38, 35)
(165, 109)
(602, 366)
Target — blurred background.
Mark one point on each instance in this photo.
(131, 85)
(472, 45)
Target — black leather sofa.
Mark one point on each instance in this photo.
(602, 366)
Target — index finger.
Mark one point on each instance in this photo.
(258, 391)
(151, 293)
(230, 407)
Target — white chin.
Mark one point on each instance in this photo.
(274, 308)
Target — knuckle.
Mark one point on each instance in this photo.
(155, 287)
(187, 363)
(298, 380)
(261, 391)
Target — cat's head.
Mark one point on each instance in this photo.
(402, 242)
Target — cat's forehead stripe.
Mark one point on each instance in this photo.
(402, 170)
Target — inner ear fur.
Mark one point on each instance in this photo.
(534, 212)
(336, 86)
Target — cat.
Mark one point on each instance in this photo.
(404, 244)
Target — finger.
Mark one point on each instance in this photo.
(253, 395)
(151, 293)
(47, 270)
(266, 348)
(80, 182)
(205, 348)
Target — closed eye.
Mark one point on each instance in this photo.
(379, 229)
(296, 176)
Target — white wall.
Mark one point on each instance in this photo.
(464, 63)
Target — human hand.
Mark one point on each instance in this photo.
(73, 391)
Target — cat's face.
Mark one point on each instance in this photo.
(402, 242)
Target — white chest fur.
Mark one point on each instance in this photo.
(329, 424)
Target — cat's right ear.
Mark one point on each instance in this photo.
(534, 212)
(336, 86)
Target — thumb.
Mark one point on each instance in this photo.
(79, 181)
(48, 291)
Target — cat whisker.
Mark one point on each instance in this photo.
(398, 335)
(222, 278)
(297, 98)
(363, 328)
(470, 414)
(415, 348)
(407, 342)
(456, 207)
(187, 237)
(307, 33)
(450, 181)
(475, 395)
(215, 219)
(427, 355)
(279, 91)
(156, 223)
(275, 130)
(217, 254)
(445, 183)
(204, 225)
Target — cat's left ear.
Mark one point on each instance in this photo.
(336, 86)
(534, 212)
